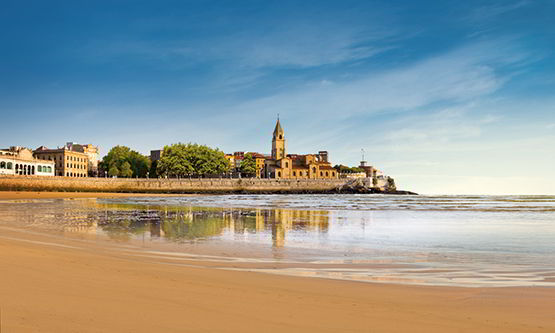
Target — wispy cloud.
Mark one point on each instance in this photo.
(316, 38)
(490, 11)
(458, 76)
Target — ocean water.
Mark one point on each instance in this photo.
(466, 241)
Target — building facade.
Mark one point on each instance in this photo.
(155, 155)
(20, 161)
(309, 166)
(231, 160)
(236, 159)
(68, 163)
(260, 160)
(92, 154)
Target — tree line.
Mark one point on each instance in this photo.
(345, 169)
(177, 160)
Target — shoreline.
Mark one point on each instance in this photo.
(188, 185)
(70, 286)
(55, 283)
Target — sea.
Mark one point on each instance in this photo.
(465, 241)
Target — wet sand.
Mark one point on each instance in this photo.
(69, 285)
(10, 195)
(72, 286)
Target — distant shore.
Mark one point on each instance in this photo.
(185, 186)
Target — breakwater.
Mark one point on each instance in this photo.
(203, 185)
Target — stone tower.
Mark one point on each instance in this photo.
(278, 143)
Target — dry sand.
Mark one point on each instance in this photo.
(72, 286)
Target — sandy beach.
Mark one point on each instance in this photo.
(66, 285)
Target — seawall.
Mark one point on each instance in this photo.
(206, 185)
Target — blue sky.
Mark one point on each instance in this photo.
(445, 96)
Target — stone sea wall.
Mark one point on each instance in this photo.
(208, 185)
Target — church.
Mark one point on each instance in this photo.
(293, 166)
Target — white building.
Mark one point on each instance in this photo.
(20, 161)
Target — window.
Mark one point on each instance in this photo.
(314, 170)
(39, 169)
(287, 164)
(321, 174)
(279, 174)
(280, 137)
(294, 174)
(2, 165)
(333, 174)
(327, 174)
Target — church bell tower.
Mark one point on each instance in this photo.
(278, 142)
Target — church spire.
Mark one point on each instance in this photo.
(278, 142)
(278, 129)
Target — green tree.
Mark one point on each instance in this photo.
(114, 171)
(191, 160)
(119, 155)
(390, 186)
(126, 170)
(139, 164)
(345, 169)
(248, 165)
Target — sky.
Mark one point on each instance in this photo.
(447, 97)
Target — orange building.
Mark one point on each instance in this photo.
(309, 166)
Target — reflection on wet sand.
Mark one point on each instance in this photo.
(179, 224)
(436, 247)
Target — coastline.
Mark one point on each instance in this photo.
(188, 185)
(68, 286)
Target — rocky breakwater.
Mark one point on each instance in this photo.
(364, 186)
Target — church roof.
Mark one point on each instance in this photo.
(278, 128)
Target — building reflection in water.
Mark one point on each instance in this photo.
(185, 224)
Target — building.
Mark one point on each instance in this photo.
(236, 159)
(282, 165)
(92, 154)
(369, 170)
(68, 163)
(20, 161)
(231, 159)
(260, 160)
(155, 155)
